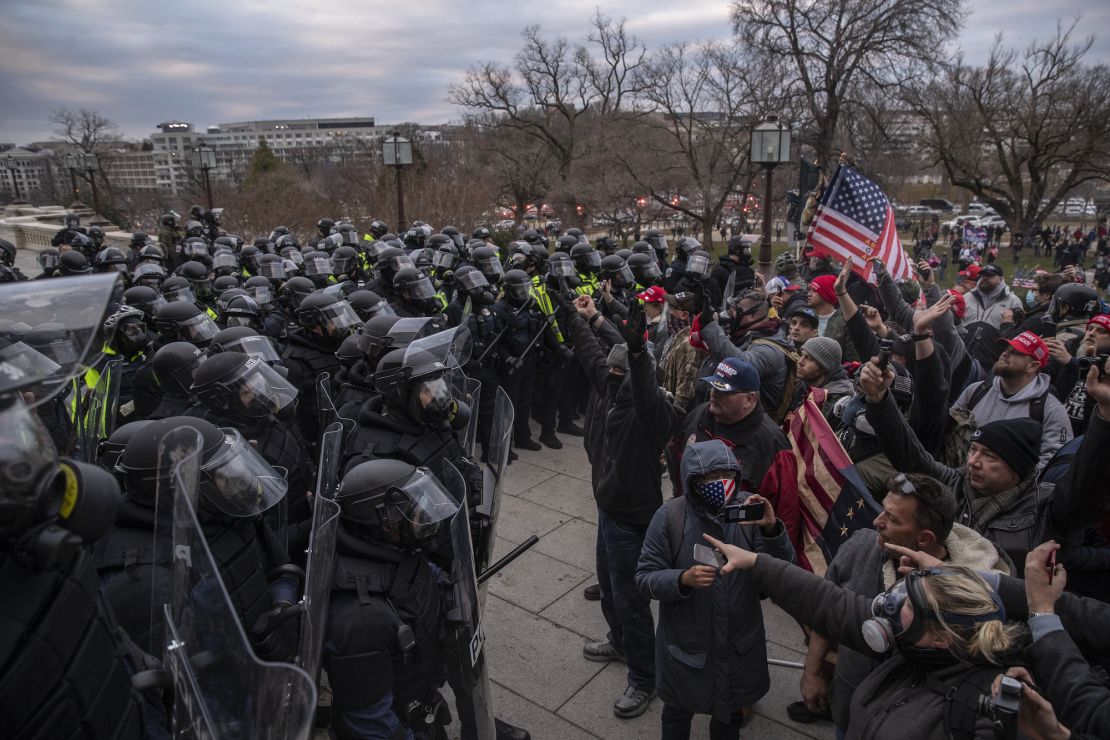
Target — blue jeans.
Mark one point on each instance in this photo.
(626, 610)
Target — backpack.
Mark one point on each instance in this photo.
(779, 413)
(962, 424)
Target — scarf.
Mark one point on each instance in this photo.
(984, 509)
(675, 324)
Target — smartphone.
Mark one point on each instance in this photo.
(1049, 326)
(744, 512)
(1051, 566)
(884, 353)
(708, 556)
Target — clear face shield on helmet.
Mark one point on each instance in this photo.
(183, 294)
(491, 268)
(225, 260)
(254, 346)
(292, 254)
(444, 259)
(339, 319)
(199, 329)
(317, 266)
(420, 290)
(26, 452)
(341, 265)
(698, 263)
(561, 268)
(623, 277)
(590, 259)
(473, 280)
(262, 294)
(648, 272)
(260, 390)
(149, 274)
(238, 481)
(195, 249)
(518, 292)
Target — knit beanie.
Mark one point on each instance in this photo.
(1016, 441)
(825, 351)
(618, 356)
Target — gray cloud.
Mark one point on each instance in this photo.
(140, 63)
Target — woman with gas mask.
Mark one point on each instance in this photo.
(941, 634)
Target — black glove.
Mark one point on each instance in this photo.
(707, 313)
(634, 328)
(564, 299)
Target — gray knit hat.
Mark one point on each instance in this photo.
(825, 351)
(618, 356)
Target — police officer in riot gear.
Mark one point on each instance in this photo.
(385, 656)
(736, 261)
(71, 225)
(237, 486)
(645, 269)
(182, 321)
(52, 511)
(677, 269)
(414, 294)
(324, 322)
(368, 304)
(48, 260)
(171, 369)
(487, 260)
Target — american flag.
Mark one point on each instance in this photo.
(855, 221)
(816, 491)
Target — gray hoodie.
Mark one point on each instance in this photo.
(994, 406)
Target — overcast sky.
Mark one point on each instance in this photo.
(140, 62)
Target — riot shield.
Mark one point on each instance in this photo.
(221, 690)
(325, 402)
(469, 391)
(493, 481)
(61, 320)
(321, 552)
(98, 409)
(466, 670)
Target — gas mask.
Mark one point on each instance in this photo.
(431, 402)
(885, 632)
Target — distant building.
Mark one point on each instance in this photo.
(23, 172)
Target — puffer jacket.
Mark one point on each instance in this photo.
(894, 700)
(710, 646)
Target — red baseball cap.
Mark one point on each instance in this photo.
(1103, 320)
(959, 303)
(1029, 344)
(972, 272)
(654, 294)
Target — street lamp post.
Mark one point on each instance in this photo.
(73, 163)
(770, 148)
(92, 165)
(204, 159)
(397, 153)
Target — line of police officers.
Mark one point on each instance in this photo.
(259, 347)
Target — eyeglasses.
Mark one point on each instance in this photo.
(901, 484)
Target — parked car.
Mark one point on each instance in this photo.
(939, 205)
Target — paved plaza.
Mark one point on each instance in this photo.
(536, 619)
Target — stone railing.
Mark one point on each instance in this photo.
(33, 228)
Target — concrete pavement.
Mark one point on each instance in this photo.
(536, 619)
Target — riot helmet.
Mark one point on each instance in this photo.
(566, 242)
(368, 304)
(199, 279)
(173, 365)
(152, 253)
(243, 385)
(390, 260)
(224, 283)
(242, 310)
(414, 384)
(576, 233)
(247, 341)
(486, 260)
(72, 220)
(481, 233)
(125, 331)
(324, 227)
(344, 260)
(471, 280)
(108, 451)
(686, 246)
(645, 268)
(96, 236)
(278, 232)
(606, 245)
(616, 270)
(699, 263)
(184, 321)
(330, 316)
(658, 242)
(378, 229)
(111, 259)
(454, 234)
(261, 289)
(7, 253)
(294, 291)
(177, 288)
(391, 502)
(271, 267)
(224, 262)
(445, 257)
(348, 232)
(145, 298)
(518, 287)
(317, 264)
(248, 256)
(1080, 300)
(138, 239)
(586, 259)
(416, 289)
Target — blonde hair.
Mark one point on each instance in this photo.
(960, 590)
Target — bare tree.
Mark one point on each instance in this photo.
(515, 166)
(1022, 131)
(690, 151)
(92, 133)
(554, 87)
(829, 50)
